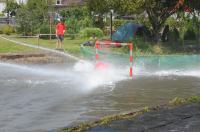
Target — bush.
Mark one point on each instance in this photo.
(7, 29)
(157, 49)
(45, 29)
(1, 29)
(190, 35)
(174, 36)
(88, 32)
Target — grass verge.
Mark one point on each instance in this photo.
(69, 45)
(10, 47)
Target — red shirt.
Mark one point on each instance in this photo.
(60, 27)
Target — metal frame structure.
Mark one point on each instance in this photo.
(98, 43)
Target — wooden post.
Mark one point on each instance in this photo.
(50, 26)
(38, 40)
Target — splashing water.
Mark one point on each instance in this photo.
(83, 74)
(94, 77)
(40, 97)
(185, 65)
(88, 78)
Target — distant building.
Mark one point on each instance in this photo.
(59, 4)
(69, 2)
(63, 4)
(3, 4)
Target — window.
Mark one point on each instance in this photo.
(58, 2)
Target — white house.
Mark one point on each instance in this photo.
(3, 4)
(57, 3)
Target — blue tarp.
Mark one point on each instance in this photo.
(126, 32)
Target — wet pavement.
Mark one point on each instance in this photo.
(184, 118)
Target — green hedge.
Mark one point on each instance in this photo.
(88, 32)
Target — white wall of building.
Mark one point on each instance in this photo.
(3, 4)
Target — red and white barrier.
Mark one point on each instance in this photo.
(108, 43)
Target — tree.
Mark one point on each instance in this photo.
(194, 4)
(11, 7)
(39, 9)
(31, 16)
(120, 6)
(158, 11)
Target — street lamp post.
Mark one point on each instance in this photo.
(111, 23)
(92, 17)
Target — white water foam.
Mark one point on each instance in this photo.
(94, 78)
(83, 74)
(34, 70)
(192, 73)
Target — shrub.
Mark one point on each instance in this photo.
(174, 35)
(88, 32)
(7, 29)
(157, 49)
(190, 34)
(45, 29)
(1, 29)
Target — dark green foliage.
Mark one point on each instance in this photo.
(73, 25)
(1, 29)
(165, 34)
(194, 4)
(174, 35)
(29, 17)
(76, 18)
(11, 7)
(158, 11)
(190, 34)
(98, 21)
(45, 29)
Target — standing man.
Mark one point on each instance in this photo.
(60, 31)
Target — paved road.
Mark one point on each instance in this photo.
(180, 119)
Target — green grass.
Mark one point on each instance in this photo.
(71, 46)
(9, 47)
(180, 101)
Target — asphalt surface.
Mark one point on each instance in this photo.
(184, 118)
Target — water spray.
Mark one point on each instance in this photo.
(101, 65)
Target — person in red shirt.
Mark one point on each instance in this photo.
(60, 31)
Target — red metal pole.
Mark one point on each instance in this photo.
(97, 44)
(131, 59)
